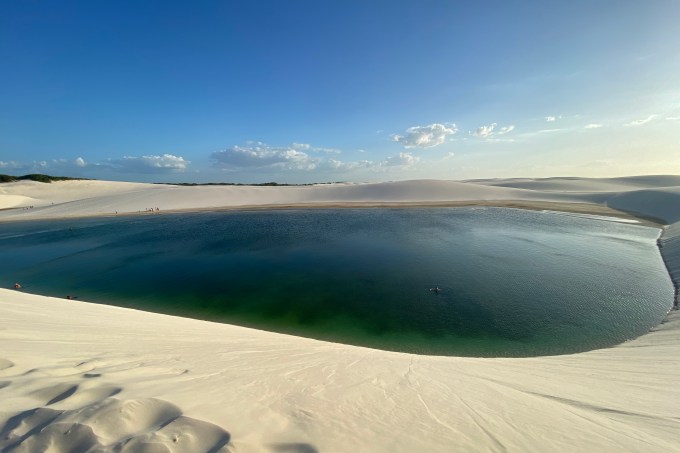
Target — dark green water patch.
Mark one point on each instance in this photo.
(513, 283)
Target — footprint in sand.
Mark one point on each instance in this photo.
(4, 364)
(83, 415)
(54, 393)
(146, 425)
(293, 448)
(74, 396)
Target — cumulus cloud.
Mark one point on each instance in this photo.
(426, 136)
(165, 163)
(400, 160)
(593, 126)
(552, 118)
(642, 121)
(262, 155)
(296, 157)
(505, 129)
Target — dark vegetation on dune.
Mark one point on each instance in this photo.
(36, 177)
(48, 178)
(261, 184)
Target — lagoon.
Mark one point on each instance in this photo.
(514, 283)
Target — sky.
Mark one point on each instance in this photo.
(311, 91)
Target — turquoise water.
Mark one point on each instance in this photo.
(514, 283)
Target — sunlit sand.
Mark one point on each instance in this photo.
(75, 375)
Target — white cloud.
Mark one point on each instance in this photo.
(540, 132)
(489, 131)
(642, 121)
(262, 156)
(308, 147)
(500, 140)
(145, 164)
(593, 126)
(673, 118)
(44, 166)
(327, 150)
(148, 164)
(484, 131)
(345, 166)
(426, 136)
(400, 160)
(10, 165)
(552, 118)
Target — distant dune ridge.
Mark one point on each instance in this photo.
(76, 376)
(89, 197)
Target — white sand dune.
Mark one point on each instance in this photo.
(84, 198)
(76, 376)
(586, 184)
(663, 203)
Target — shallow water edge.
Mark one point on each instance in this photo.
(669, 247)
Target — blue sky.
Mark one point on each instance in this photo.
(304, 91)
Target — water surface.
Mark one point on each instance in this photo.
(514, 283)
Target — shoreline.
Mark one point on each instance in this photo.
(669, 248)
(556, 206)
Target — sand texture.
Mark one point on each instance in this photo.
(76, 376)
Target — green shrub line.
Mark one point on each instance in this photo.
(47, 179)
(35, 177)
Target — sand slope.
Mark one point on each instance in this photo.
(112, 376)
(83, 377)
(586, 184)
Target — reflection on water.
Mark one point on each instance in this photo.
(514, 283)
